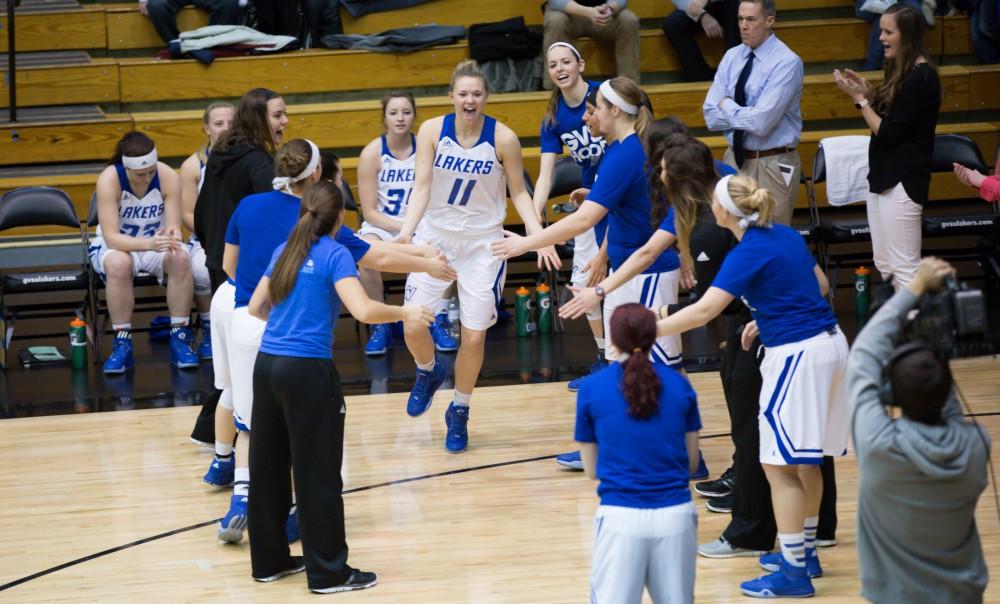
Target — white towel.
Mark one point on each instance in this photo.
(846, 169)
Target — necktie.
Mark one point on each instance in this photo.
(740, 96)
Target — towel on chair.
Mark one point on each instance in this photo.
(846, 169)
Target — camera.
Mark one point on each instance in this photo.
(950, 321)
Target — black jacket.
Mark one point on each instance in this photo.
(901, 151)
(230, 176)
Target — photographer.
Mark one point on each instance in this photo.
(920, 475)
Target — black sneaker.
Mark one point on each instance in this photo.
(720, 505)
(358, 579)
(720, 487)
(296, 565)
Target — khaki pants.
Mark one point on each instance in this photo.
(767, 172)
(623, 30)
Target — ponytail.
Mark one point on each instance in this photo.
(633, 331)
(320, 212)
(751, 199)
(642, 122)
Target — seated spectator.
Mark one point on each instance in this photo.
(876, 52)
(920, 475)
(988, 186)
(163, 14)
(567, 20)
(984, 26)
(717, 18)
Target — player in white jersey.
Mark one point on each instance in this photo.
(465, 163)
(138, 207)
(385, 180)
(216, 120)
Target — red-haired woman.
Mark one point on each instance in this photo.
(637, 423)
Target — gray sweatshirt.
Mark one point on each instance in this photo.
(918, 485)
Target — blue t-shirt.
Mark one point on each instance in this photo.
(569, 130)
(724, 169)
(772, 270)
(302, 324)
(640, 463)
(260, 224)
(668, 222)
(622, 187)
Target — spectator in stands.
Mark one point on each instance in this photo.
(637, 423)
(984, 26)
(754, 99)
(139, 210)
(163, 14)
(717, 18)
(902, 114)
(609, 21)
(873, 58)
(920, 475)
(988, 186)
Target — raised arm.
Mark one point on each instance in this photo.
(543, 185)
(589, 214)
(368, 167)
(396, 258)
(366, 310)
(423, 171)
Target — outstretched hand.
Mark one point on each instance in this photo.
(417, 314)
(968, 176)
(584, 298)
(511, 246)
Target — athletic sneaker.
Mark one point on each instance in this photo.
(772, 562)
(358, 579)
(205, 348)
(292, 531)
(120, 360)
(232, 524)
(181, 353)
(788, 582)
(719, 487)
(597, 365)
(702, 472)
(424, 387)
(220, 472)
(457, 420)
(441, 332)
(720, 548)
(379, 340)
(296, 564)
(571, 460)
(720, 505)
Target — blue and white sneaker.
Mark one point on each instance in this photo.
(599, 364)
(424, 388)
(457, 420)
(235, 521)
(702, 472)
(788, 582)
(379, 340)
(205, 348)
(292, 525)
(441, 332)
(181, 353)
(571, 461)
(120, 360)
(772, 563)
(220, 473)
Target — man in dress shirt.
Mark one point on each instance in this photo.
(754, 99)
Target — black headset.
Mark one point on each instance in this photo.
(897, 355)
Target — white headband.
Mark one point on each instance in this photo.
(612, 97)
(722, 194)
(284, 183)
(572, 49)
(141, 162)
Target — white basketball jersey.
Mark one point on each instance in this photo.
(395, 180)
(139, 217)
(468, 189)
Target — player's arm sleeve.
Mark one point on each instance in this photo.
(342, 265)
(611, 185)
(692, 419)
(736, 273)
(550, 141)
(274, 260)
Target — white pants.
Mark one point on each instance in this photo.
(244, 344)
(804, 412)
(652, 291)
(651, 548)
(222, 313)
(896, 231)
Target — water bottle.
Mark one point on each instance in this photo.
(522, 312)
(543, 297)
(862, 294)
(454, 326)
(78, 343)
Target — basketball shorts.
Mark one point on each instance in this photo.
(368, 228)
(147, 262)
(199, 272)
(652, 291)
(222, 315)
(244, 343)
(804, 412)
(481, 277)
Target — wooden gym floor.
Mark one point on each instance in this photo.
(110, 507)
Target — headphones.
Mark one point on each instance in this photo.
(897, 355)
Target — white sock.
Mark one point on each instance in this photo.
(462, 399)
(206, 317)
(241, 482)
(812, 522)
(223, 449)
(178, 322)
(123, 330)
(427, 366)
(793, 548)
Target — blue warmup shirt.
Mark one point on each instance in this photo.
(640, 463)
(622, 187)
(724, 169)
(772, 270)
(302, 324)
(260, 224)
(668, 224)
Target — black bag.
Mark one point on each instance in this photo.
(508, 39)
